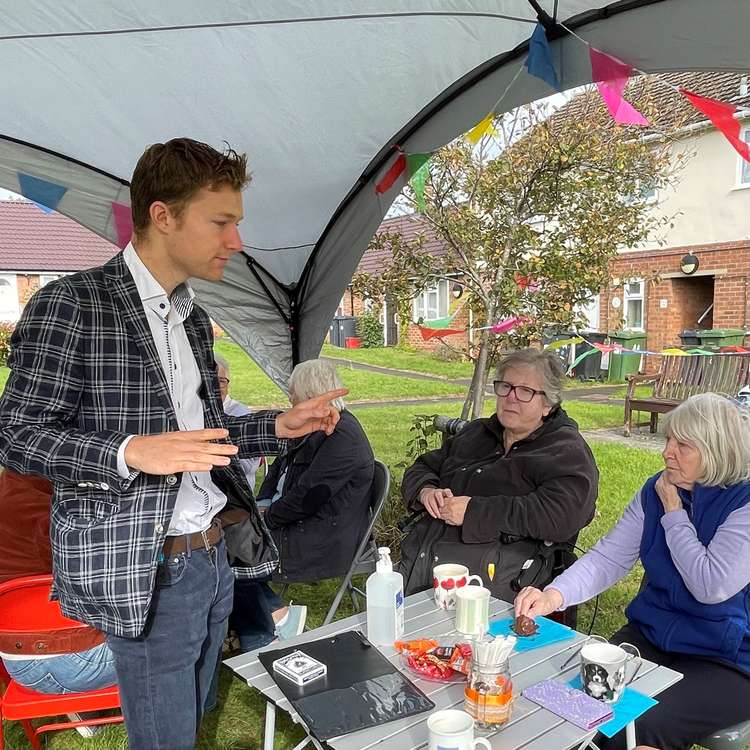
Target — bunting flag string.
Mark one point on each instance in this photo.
(419, 168)
(722, 115)
(539, 60)
(560, 343)
(611, 76)
(438, 333)
(123, 218)
(392, 174)
(46, 195)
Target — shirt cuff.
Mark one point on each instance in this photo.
(122, 468)
(674, 518)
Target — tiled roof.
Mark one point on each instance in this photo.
(31, 240)
(409, 226)
(672, 106)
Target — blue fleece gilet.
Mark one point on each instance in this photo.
(665, 610)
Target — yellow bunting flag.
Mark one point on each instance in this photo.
(563, 342)
(673, 352)
(483, 128)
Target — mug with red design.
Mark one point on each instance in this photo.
(447, 579)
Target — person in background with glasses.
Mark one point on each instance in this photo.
(235, 409)
(509, 494)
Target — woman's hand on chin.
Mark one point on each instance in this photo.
(668, 494)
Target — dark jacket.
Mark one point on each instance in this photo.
(543, 490)
(318, 540)
(545, 487)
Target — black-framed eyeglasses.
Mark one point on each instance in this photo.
(223, 381)
(523, 393)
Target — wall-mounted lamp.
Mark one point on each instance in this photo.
(457, 290)
(689, 264)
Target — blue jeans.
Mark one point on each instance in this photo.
(252, 617)
(66, 673)
(164, 675)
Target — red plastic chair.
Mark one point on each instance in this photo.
(25, 605)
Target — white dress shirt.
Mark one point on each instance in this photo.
(198, 499)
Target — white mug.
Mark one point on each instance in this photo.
(453, 730)
(603, 668)
(446, 580)
(472, 610)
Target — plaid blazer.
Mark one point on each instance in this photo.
(85, 373)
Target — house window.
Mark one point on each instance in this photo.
(432, 303)
(45, 278)
(745, 165)
(369, 306)
(633, 305)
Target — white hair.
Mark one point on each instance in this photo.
(720, 429)
(221, 362)
(313, 378)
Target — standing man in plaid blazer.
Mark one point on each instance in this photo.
(113, 396)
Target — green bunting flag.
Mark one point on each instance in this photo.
(418, 165)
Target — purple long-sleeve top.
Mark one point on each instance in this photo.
(712, 574)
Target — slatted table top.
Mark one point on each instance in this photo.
(531, 727)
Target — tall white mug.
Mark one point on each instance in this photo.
(472, 610)
(453, 730)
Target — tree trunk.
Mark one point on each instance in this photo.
(479, 381)
(465, 411)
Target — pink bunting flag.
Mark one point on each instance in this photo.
(721, 115)
(123, 217)
(611, 75)
(509, 323)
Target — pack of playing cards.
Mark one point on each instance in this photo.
(299, 667)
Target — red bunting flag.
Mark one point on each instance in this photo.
(438, 333)
(392, 174)
(721, 115)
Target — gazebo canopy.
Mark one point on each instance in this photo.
(319, 94)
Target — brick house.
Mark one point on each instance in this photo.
(38, 247)
(438, 301)
(711, 210)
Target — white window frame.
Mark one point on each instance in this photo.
(742, 165)
(46, 278)
(628, 297)
(433, 301)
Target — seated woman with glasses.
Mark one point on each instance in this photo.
(508, 495)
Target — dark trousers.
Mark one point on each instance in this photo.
(709, 697)
(252, 616)
(164, 675)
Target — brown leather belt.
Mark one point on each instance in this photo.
(176, 545)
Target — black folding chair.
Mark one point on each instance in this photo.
(366, 555)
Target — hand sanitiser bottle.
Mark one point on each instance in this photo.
(385, 602)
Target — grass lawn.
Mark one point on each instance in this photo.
(251, 386)
(389, 356)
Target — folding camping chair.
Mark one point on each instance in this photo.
(367, 550)
(25, 606)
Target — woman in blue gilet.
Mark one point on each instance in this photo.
(690, 526)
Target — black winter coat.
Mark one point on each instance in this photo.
(544, 488)
(318, 540)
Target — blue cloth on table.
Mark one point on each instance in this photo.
(630, 706)
(549, 632)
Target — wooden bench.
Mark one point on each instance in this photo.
(682, 377)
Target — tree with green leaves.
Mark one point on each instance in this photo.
(530, 217)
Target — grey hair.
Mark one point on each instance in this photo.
(221, 362)
(720, 429)
(547, 364)
(313, 378)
